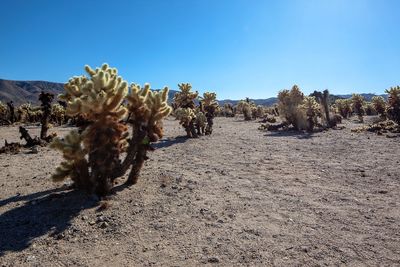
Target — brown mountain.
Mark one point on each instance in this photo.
(26, 91)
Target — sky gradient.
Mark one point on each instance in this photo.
(236, 48)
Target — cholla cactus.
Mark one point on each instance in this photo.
(380, 105)
(344, 107)
(288, 104)
(369, 109)
(228, 110)
(393, 110)
(185, 98)
(201, 122)
(92, 154)
(311, 109)
(209, 105)
(3, 114)
(58, 113)
(246, 107)
(260, 112)
(187, 117)
(46, 99)
(358, 106)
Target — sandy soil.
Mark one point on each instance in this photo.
(240, 197)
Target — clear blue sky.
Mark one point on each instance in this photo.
(236, 48)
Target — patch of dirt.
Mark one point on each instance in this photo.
(240, 197)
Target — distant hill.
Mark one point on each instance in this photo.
(28, 91)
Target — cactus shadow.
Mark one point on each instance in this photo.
(290, 133)
(47, 212)
(170, 142)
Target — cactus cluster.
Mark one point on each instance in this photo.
(344, 107)
(393, 103)
(358, 103)
(196, 120)
(92, 154)
(379, 105)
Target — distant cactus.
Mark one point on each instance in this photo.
(3, 114)
(45, 99)
(209, 105)
(380, 106)
(344, 107)
(288, 106)
(185, 98)
(194, 118)
(369, 109)
(393, 110)
(92, 154)
(311, 109)
(358, 106)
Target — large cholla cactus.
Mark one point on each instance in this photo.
(358, 106)
(288, 104)
(185, 98)
(380, 105)
(92, 154)
(393, 110)
(311, 109)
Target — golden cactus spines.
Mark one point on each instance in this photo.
(92, 155)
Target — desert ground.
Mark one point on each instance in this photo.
(240, 197)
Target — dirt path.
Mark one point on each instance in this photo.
(240, 197)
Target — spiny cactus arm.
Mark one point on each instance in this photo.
(100, 94)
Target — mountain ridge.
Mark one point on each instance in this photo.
(28, 91)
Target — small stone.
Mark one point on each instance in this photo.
(213, 260)
(104, 225)
(92, 222)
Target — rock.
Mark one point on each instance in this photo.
(213, 260)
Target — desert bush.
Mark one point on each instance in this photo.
(344, 107)
(92, 153)
(393, 109)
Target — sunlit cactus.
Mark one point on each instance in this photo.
(358, 106)
(92, 154)
(187, 118)
(311, 109)
(288, 105)
(380, 105)
(4, 114)
(201, 123)
(393, 109)
(58, 114)
(260, 112)
(369, 109)
(344, 107)
(185, 98)
(209, 106)
(228, 110)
